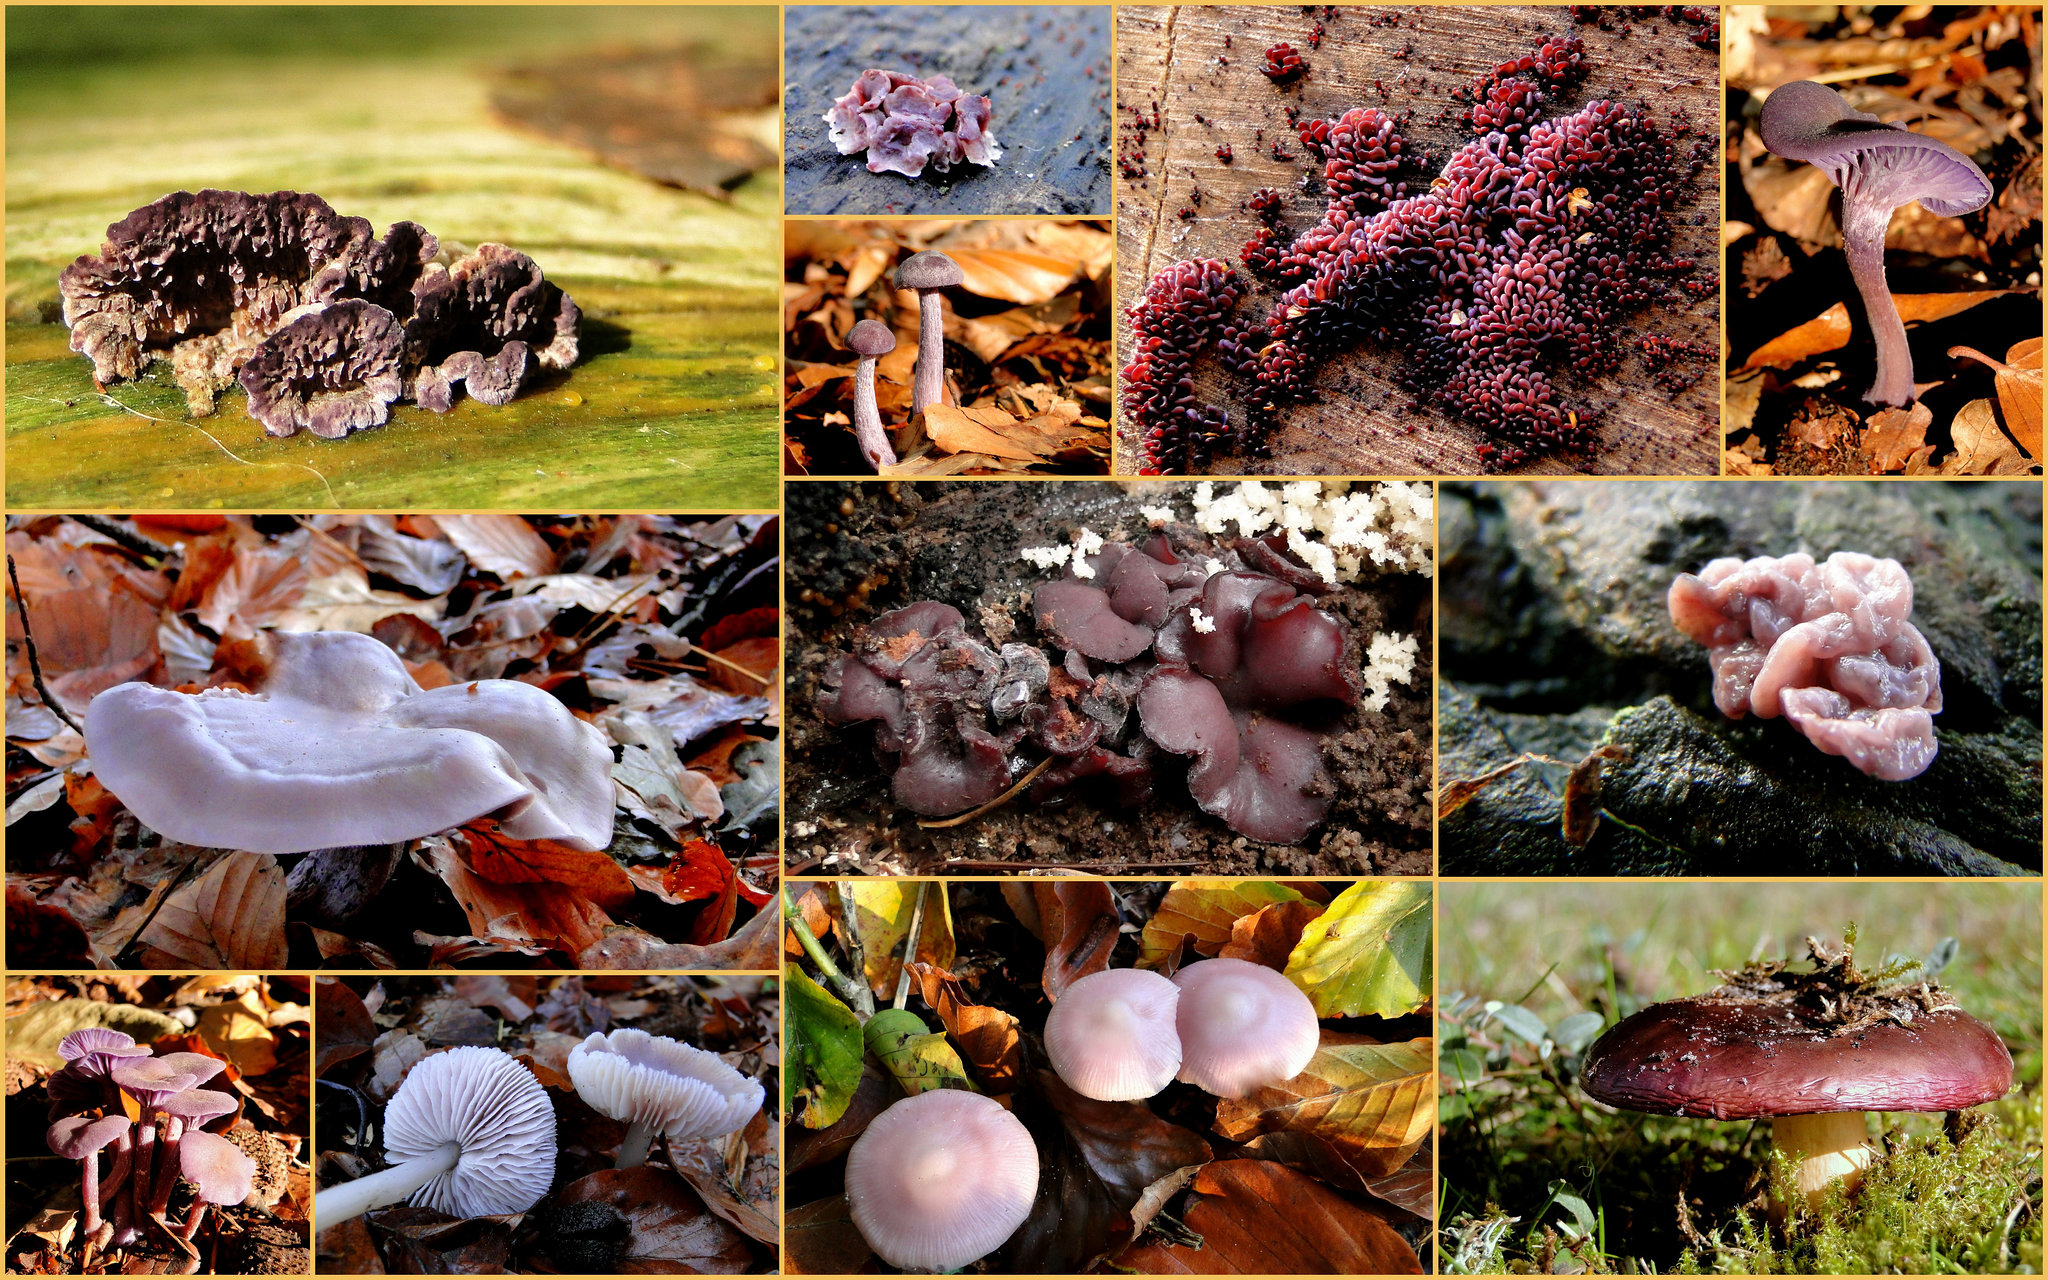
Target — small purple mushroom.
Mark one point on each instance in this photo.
(870, 339)
(929, 272)
(194, 1107)
(1879, 167)
(81, 1138)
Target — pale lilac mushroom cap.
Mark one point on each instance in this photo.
(659, 1085)
(81, 1137)
(1242, 1027)
(1879, 167)
(341, 747)
(152, 1080)
(197, 1106)
(498, 1116)
(218, 1168)
(941, 1179)
(1111, 1035)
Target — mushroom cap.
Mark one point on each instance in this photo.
(151, 1080)
(1111, 1035)
(1738, 1059)
(341, 747)
(484, 1101)
(676, 1088)
(872, 338)
(941, 1179)
(1242, 1027)
(928, 270)
(197, 1106)
(220, 1169)
(1867, 158)
(200, 1066)
(78, 1137)
(103, 1043)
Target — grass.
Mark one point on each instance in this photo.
(1535, 1176)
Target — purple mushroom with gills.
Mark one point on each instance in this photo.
(1242, 1026)
(220, 1173)
(1830, 646)
(191, 1109)
(1878, 167)
(151, 1082)
(339, 746)
(82, 1138)
(869, 340)
(332, 368)
(470, 1133)
(940, 1179)
(1811, 1051)
(660, 1085)
(1112, 1035)
(928, 273)
(85, 1079)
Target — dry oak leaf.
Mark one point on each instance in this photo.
(1358, 1110)
(2019, 389)
(1258, 1217)
(975, 430)
(1891, 435)
(230, 918)
(501, 860)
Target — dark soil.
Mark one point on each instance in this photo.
(1045, 71)
(859, 549)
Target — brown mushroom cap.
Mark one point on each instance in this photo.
(1737, 1059)
(872, 338)
(928, 270)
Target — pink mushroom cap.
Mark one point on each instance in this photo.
(1111, 1035)
(941, 1179)
(1242, 1027)
(220, 1169)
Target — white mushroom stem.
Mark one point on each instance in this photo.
(386, 1186)
(633, 1147)
(1828, 1146)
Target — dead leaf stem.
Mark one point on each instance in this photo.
(996, 803)
(35, 666)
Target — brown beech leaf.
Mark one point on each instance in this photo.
(1921, 308)
(1411, 1187)
(1363, 1108)
(974, 431)
(1257, 1217)
(501, 860)
(821, 1240)
(669, 1229)
(345, 1030)
(987, 1037)
(1982, 447)
(254, 588)
(1127, 1145)
(423, 1242)
(1891, 435)
(2018, 379)
(751, 948)
(1268, 935)
(1013, 275)
(1080, 922)
(504, 545)
(230, 918)
(1207, 910)
(543, 915)
(1828, 331)
(809, 1147)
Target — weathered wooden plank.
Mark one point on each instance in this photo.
(674, 405)
(1398, 60)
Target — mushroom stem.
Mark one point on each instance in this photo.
(1830, 1145)
(867, 419)
(145, 1152)
(1863, 228)
(167, 1167)
(89, 1191)
(386, 1186)
(633, 1147)
(930, 385)
(192, 1223)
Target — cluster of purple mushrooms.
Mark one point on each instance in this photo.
(100, 1065)
(904, 123)
(325, 325)
(1511, 266)
(1223, 655)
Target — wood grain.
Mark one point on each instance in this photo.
(1364, 425)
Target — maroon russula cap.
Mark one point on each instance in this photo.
(1731, 1058)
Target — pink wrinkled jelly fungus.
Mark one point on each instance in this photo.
(1828, 646)
(941, 1179)
(1111, 1035)
(1242, 1027)
(905, 123)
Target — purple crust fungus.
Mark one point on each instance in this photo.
(1813, 1051)
(869, 340)
(905, 123)
(1232, 666)
(928, 273)
(1879, 167)
(323, 324)
(1828, 646)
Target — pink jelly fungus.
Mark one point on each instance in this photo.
(1828, 646)
(904, 123)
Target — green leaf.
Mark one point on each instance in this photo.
(34, 1036)
(1521, 1022)
(1577, 1031)
(918, 1057)
(824, 1053)
(1369, 953)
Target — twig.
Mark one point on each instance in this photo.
(910, 944)
(1025, 868)
(996, 803)
(169, 889)
(854, 992)
(147, 548)
(35, 666)
(749, 672)
(849, 924)
(172, 422)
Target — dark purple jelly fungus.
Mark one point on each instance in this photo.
(324, 324)
(904, 124)
(1283, 64)
(1215, 665)
(1511, 268)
